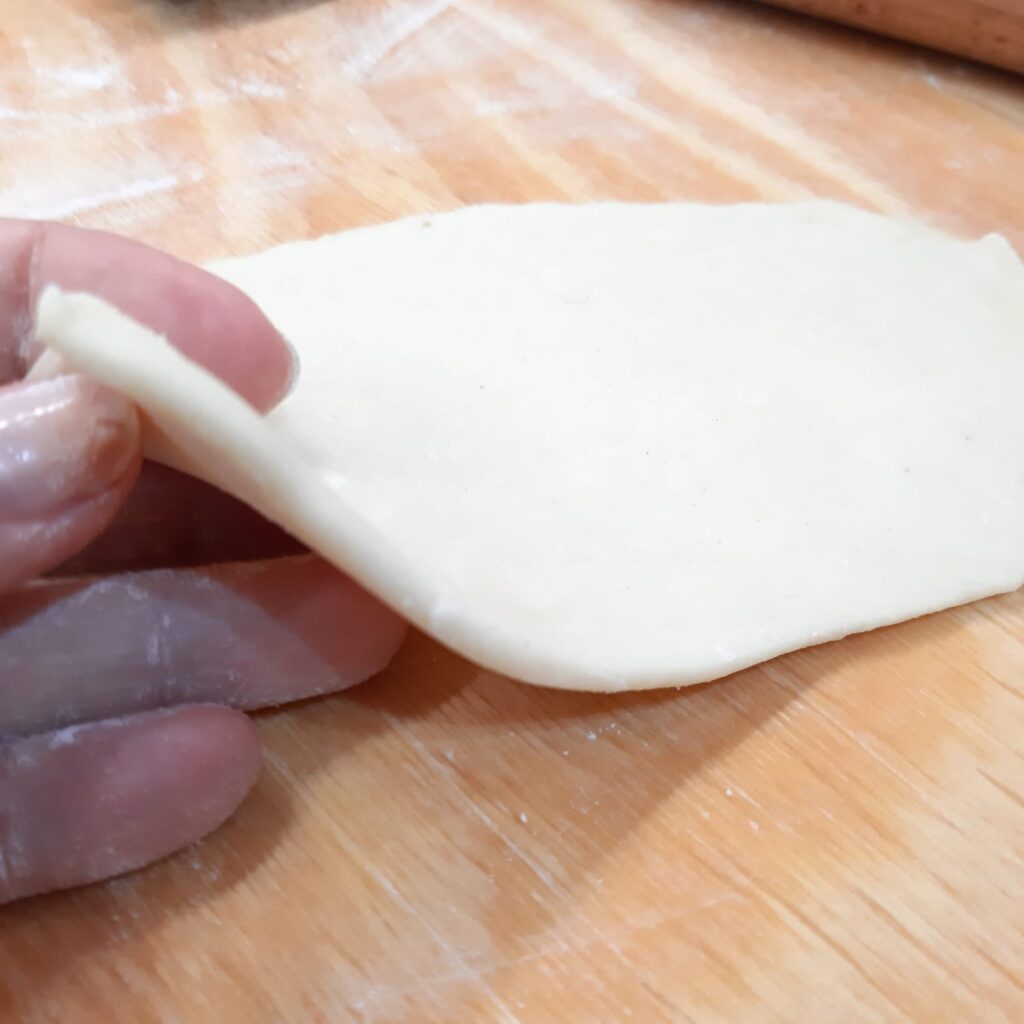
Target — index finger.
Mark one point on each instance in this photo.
(209, 320)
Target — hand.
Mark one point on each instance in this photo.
(113, 749)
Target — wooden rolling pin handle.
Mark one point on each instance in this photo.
(991, 31)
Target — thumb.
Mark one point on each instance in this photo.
(69, 454)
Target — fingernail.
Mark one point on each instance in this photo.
(61, 441)
(294, 368)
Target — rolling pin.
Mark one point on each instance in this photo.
(991, 31)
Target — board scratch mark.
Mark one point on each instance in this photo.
(907, 936)
(714, 93)
(869, 749)
(443, 769)
(728, 162)
(824, 936)
(462, 971)
(370, 56)
(1003, 788)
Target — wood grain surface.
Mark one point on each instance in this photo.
(836, 836)
(987, 30)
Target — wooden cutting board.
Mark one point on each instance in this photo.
(835, 836)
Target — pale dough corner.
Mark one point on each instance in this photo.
(620, 446)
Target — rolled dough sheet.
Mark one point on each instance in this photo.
(618, 446)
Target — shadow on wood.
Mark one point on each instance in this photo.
(126, 912)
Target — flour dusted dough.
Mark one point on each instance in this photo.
(621, 446)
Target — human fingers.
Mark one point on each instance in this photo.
(68, 450)
(171, 519)
(69, 454)
(209, 320)
(246, 635)
(93, 801)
